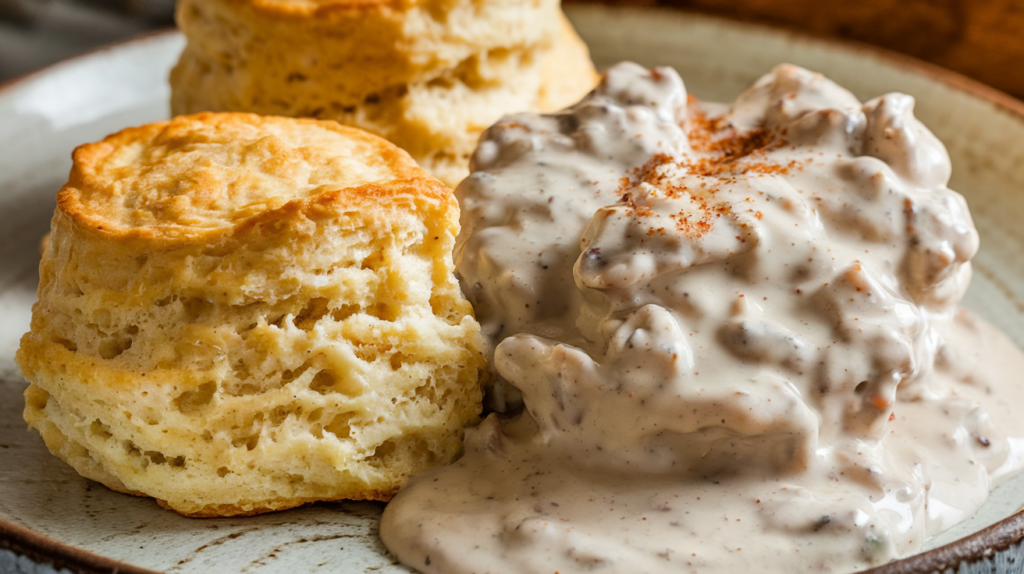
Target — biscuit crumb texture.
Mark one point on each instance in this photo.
(427, 75)
(240, 314)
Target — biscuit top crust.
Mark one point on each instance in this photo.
(206, 173)
(319, 8)
(309, 5)
(342, 8)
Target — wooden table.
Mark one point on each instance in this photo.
(982, 39)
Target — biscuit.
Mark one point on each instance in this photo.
(429, 76)
(240, 314)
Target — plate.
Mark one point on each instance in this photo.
(49, 515)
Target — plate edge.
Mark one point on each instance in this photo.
(42, 549)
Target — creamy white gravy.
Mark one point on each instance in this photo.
(736, 333)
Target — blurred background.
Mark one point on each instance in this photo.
(981, 39)
(36, 33)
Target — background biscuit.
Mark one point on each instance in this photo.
(430, 76)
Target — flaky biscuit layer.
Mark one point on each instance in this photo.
(240, 314)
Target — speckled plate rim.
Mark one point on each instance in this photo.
(42, 549)
(982, 545)
(974, 548)
(127, 43)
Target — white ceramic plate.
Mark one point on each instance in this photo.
(43, 117)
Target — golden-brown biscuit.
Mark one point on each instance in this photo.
(429, 75)
(241, 314)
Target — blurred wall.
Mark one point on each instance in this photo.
(36, 33)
